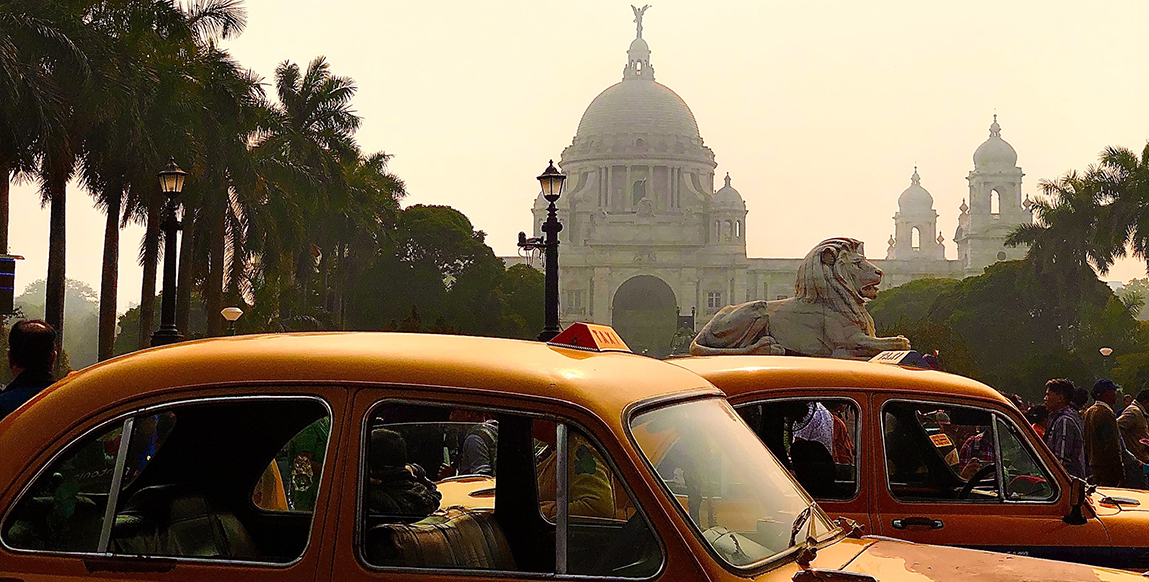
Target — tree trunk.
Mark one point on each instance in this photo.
(185, 276)
(109, 278)
(150, 264)
(213, 288)
(57, 189)
(5, 176)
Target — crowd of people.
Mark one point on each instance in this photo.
(1105, 443)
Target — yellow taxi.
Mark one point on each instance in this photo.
(928, 457)
(407, 457)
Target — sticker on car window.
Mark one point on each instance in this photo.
(941, 440)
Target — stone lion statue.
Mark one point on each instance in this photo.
(826, 317)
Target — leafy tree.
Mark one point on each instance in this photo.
(81, 314)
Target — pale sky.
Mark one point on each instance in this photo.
(819, 110)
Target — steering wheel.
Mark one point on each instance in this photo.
(976, 478)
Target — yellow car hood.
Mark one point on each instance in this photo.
(896, 561)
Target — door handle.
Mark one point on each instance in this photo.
(906, 522)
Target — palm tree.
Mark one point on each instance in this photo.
(1123, 178)
(1066, 243)
(299, 154)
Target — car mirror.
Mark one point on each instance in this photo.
(1076, 500)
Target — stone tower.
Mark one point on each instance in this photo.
(915, 225)
(995, 206)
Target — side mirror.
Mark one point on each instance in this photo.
(1076, 500)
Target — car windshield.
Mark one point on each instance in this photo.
(742, 501)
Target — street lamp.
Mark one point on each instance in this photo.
(171, 183)
(1106, 351)
(551, 181)
(231, 314)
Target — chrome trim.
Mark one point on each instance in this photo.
(562, 511)
(174, 403)
(858, 458)
(994, 413)
(117, 483)
(357, 540)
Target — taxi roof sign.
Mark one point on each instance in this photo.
(590, 336)
(908, 358)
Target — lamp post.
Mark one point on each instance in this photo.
(231, 314)
(551, 181)
(171, 183)
(1105, 353)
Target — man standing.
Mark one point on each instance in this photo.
(1064, 429)
(1102, 441)
(1135, 427)
(31, 355)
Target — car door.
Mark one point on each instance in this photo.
(820, 436)
(188, 488)
(501, 518)
(966, 474)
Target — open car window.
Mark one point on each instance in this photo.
(943, 452)
(465, 489)
(179, 486)
(742, 502)
(816, 438)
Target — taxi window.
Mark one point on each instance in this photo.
(462, 489)
(184, 468)
(290, 482)
(1025, 478)
(942, 452)
(817, 439)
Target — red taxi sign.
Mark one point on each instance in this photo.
(590, 336)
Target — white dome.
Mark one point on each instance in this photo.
(995, 152)
(915, 197)
(638, 106)
(727, 196)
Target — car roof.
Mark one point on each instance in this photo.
(743, 375)
(603, 383)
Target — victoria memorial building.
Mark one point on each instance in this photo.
(654, 242)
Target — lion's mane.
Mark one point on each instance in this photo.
(821, 280)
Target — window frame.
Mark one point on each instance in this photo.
(126, 420)
(358, 539)
(994, 413)
(788, 555)
(859, 420)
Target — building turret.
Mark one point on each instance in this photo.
(915, 225)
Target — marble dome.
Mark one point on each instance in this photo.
(995, 152)
(915, 197)
(638, 106)
(727, 196)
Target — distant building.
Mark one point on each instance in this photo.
(648, 242)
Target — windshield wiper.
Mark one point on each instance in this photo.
(799, 521)
(809, 545)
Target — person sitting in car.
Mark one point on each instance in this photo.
(396, 489)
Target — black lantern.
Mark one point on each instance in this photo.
(551, 181)
(171, 184)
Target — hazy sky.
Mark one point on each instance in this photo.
(819, 110)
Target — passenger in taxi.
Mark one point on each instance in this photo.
(31, 356)
(396, 489)
(1064, 433)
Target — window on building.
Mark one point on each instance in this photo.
(714, 300)
(639, 191)
(995, 203)
(455, 488)
(939, 452)
(817, 439)
(729, 233)
(916, 239)
(737, 229)
(573, 300)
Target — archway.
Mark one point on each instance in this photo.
(645, 314)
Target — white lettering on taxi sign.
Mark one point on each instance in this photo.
(908, 358)
(590, 336)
